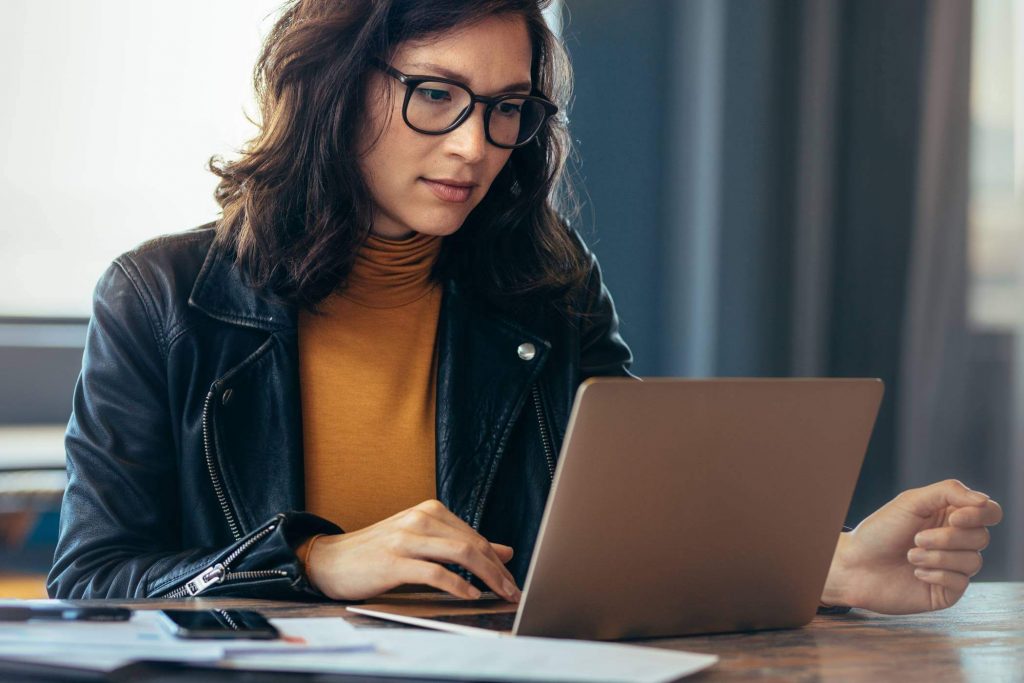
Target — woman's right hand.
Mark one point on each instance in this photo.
(409, 548)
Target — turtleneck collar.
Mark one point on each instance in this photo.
(389, 273)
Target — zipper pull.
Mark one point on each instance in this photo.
(209, 577)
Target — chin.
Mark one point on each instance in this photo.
(442, 226)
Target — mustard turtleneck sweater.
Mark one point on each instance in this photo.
(367, 373)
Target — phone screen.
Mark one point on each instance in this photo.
(219, 623)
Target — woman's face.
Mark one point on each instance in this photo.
(430, 183)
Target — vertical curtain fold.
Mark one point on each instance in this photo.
(935, 355)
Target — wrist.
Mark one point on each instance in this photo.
(307, 559)
(836, 592)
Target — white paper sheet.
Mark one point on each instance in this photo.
(333, 645)
(105, 646)
(407, 652)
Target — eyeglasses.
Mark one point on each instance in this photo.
(435, 106)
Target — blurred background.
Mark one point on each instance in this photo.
(774, 188)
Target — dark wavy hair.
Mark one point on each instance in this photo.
(295, 207)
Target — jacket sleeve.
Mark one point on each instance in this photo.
(119, 521)
(603, 352)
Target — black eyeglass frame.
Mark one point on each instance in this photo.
(412, 81)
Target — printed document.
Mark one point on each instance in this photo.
(431, 654)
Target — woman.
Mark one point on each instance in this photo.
(385, 329)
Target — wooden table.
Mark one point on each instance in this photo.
(980, 639)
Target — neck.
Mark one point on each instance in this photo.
(391, 232)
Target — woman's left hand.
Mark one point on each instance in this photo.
(914, 554)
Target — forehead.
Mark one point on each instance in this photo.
(489, 54)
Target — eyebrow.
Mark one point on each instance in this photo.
(456, 76)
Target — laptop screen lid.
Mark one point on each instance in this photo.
(696, 506)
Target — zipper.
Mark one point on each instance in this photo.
(218, 573)
(545, 433)
(211, 467)
(227, 618)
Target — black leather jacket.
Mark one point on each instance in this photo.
(184, 449)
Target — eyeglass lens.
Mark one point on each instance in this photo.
(434, 106)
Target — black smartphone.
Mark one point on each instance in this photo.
(218, 623)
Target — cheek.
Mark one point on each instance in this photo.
(496, 163)
(388, 165)
(381, 139)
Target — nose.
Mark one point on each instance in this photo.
(468, 140)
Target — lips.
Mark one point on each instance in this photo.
(450, 190)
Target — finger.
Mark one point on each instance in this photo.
(504, 552)
(967, 562)
(433, 574)
(989, 514)
(955, 582)
(428, 525)
(437, 510)
(927, 499)
(953, 538)
(924, 501)
(462, 553)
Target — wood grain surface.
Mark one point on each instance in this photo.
(979, 639)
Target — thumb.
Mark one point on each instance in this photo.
(927, 499)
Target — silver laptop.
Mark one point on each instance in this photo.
(682, 507)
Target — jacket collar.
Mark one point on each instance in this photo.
(220, 293)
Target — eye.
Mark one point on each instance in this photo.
(509, 108)
(433, 94)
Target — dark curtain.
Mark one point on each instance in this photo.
(780, 189)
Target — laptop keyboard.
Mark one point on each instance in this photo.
(503, 621)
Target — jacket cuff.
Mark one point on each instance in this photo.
(835, 609)
(280, 550)
(260, 565)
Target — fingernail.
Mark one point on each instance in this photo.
(920, 573)
(921, 539)
(916, 555)
(510, 589)
(978, 496)
(474, 592)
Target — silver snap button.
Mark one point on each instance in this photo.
(225, 398)
(527, 351)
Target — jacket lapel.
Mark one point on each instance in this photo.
(220, 293)
(255, 416)
(482, 384)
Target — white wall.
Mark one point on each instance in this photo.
(109, 110)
